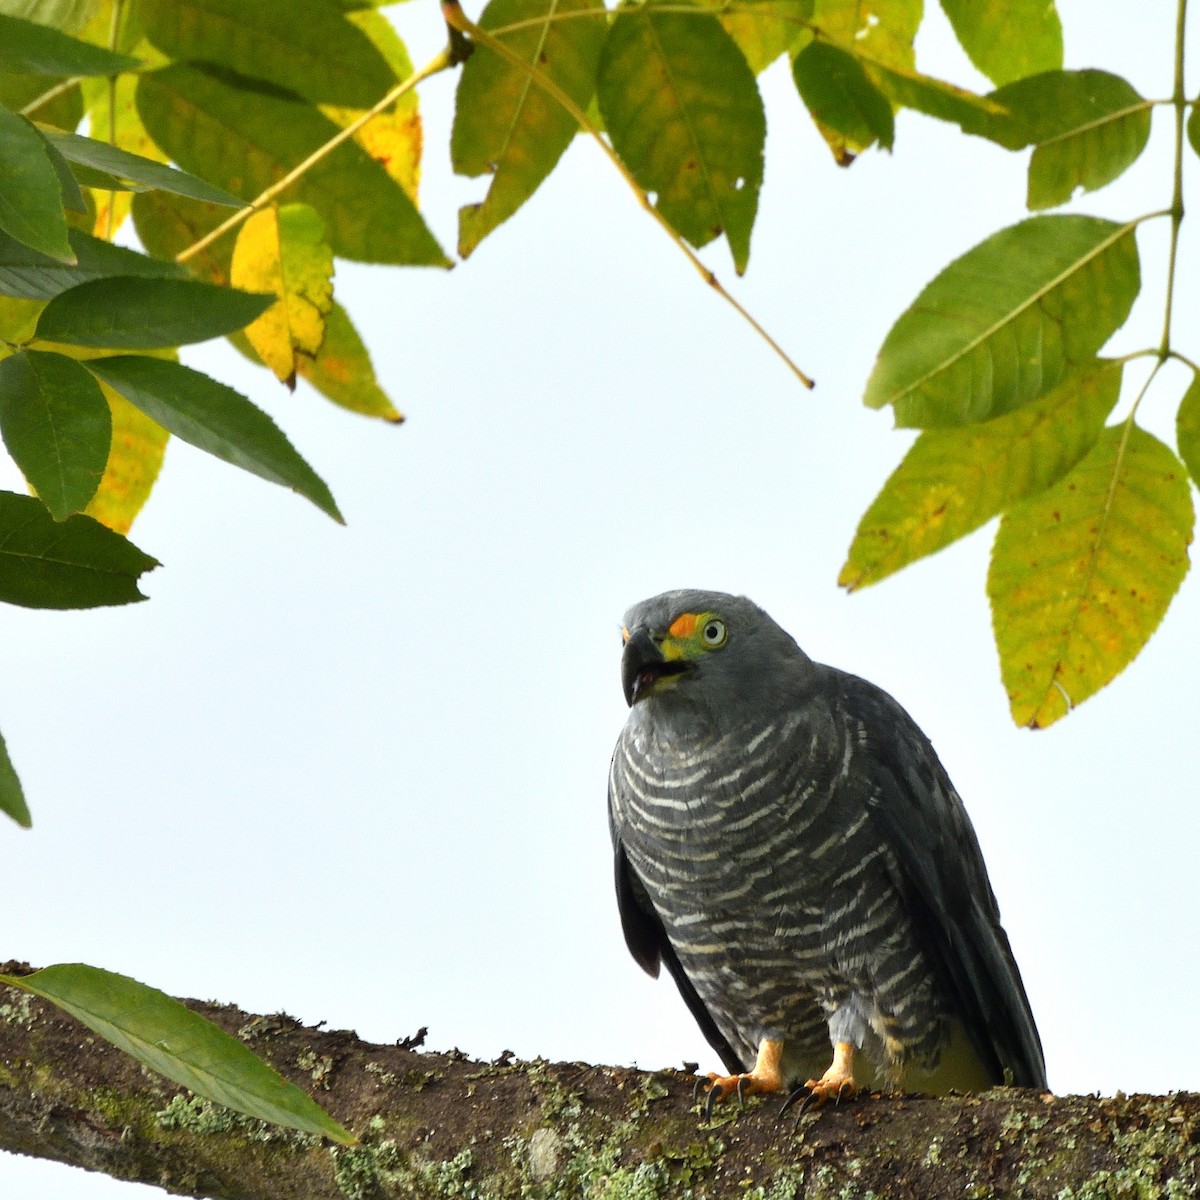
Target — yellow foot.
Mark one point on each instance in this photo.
(836, 1084)
(764, 1079)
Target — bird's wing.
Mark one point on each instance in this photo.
(649, 945)
(942, 878)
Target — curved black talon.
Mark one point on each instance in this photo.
(696, 1088)
(709, 1101)
(741, 1092)
(800, 1093)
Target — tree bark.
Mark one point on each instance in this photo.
(442, 1125)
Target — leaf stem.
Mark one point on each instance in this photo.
(457, 19)
(440, 62)
(63, 85)
(1179, 100)
(114, 33)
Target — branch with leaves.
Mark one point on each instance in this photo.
(442, 1125)
(253, 145)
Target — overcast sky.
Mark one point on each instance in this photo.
(359, 774)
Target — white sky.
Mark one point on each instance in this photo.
(359, 774)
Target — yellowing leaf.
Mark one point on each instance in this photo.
(1187, 428)
(683, 111)
(881, 29)
(283, 250)
(507, 126)
(1008, 39)
(1082, 573)
(394, 137)
(764, 31)
(134, 461)
(342, 371)
(953, 480)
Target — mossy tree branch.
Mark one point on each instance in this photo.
(441, 1125)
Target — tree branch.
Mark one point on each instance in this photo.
(441, 1125)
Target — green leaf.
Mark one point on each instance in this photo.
(842, 100)
(68, 185)
(763, 33)
(1087, 128)
(136, 169)
(140, 313)
(37, 49)
(682, 109)
(12, 795)
(31, 207)
(954, 480)
(56, 425)
(909, 88)
(169, 1038)
(309, 48)
(247, 138)
(883, 29)
(215, 418)
(1082, 574)
(342, 371)
(167, 225)
(1187, 428)
(64, 110)
(1008, 39)
(68, 15)
(26, 273)
(1007, 321)
(1193, 126)
(505, 124)
(76, 563)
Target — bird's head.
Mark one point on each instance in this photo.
(702, 647)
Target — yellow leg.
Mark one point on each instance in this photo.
(838, 1080)
(762, 1080)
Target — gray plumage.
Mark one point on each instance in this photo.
(788, 844)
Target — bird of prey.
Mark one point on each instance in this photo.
(789, 846)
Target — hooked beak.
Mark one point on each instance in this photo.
(643, 665)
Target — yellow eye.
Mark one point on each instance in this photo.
(714, 633)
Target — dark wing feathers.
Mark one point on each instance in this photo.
(647, 942)
(944, 884)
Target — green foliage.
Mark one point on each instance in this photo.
(133, 171)
(508, 126)
(1007, 321)
(182, 1045)
(27, 273)
(57, 427)
(31, 208)
(245, 135)
(76, 563)
(142, 312)
(12, 795)
(851, 112)
(682, 108)
(311, 103)
(1086, 127)
(995, 359)
(37, 49)
(1008, 39)
(215, 418)
(313, 52)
